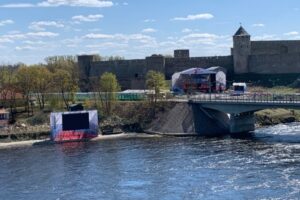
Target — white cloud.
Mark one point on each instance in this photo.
(199, 38)
(186, 30)
(106, 45)
(5, 40)
(119, 36)
(73, 42)
(266, 37)
(194, 17)
(40, 25)
(57, 3)
(13, 37)
(10, 38)
(149, 30)
(88, 18)
(6, 22)
(258, 25)
(140, 37)
(42, 34)
(30, 42)
(22, 48)
(149, 20)
(98, 36)
(201, 35)
(292, 33)
(18, 5)
(125, 4)
(140, 40)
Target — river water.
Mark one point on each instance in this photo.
(265, 165)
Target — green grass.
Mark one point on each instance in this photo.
(276, 116)
(277, 90)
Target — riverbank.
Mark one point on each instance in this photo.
(99, 138)
(169, 119)
(271, 117)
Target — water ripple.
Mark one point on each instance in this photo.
(263, 166)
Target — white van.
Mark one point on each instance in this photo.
(239, 88)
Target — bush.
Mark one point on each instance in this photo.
(38, 119)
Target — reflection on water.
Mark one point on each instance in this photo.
(263, 166)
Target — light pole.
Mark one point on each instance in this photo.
(209, 85)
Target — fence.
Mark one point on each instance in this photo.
(253, 98)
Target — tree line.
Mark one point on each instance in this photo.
(60, 75)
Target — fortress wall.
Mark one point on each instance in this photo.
(131, 73)
(179, 64)
(277, 63)
(122, 68)
(156, 63)
(275, 47)
(125, 70)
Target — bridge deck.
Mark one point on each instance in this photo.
(248, 99)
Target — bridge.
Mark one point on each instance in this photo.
(246, 103)
(215, 113)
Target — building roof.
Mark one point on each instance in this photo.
(136, 91)
(197, 71)
(241, 32)
(3, 111)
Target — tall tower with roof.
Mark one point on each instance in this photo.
(241, 51)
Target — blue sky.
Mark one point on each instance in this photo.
(31, 30)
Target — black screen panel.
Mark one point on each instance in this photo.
(76, 121)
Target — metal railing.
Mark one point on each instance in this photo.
(248, 98)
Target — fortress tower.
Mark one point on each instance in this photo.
(241, 51)
(85, 64)
(255, 61)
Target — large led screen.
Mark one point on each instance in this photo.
(78, 121)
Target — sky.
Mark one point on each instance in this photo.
(31, 30)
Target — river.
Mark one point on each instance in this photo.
(264, 165)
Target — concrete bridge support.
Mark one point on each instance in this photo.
(213, 118)
(243, 122)
(210, 122)
(191, 119)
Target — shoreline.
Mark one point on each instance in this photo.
(28, 143)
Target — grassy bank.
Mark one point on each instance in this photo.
(127, 117)
(274, 90)
(276, 116)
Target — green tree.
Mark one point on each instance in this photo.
(8, 88)
(66, 63)
(155, 81)
(61, 62)
(25, 84)
(115, 58)
(42, 83)
(4, 81)
(65, 85)
(98, 58)
(108, 86)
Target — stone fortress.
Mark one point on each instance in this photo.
(268, 62)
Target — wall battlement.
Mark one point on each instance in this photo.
(254, 57)
(274, 47)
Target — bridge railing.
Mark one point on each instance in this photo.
(250, 97)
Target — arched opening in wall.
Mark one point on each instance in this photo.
(284, 49)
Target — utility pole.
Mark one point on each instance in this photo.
(209, 87)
